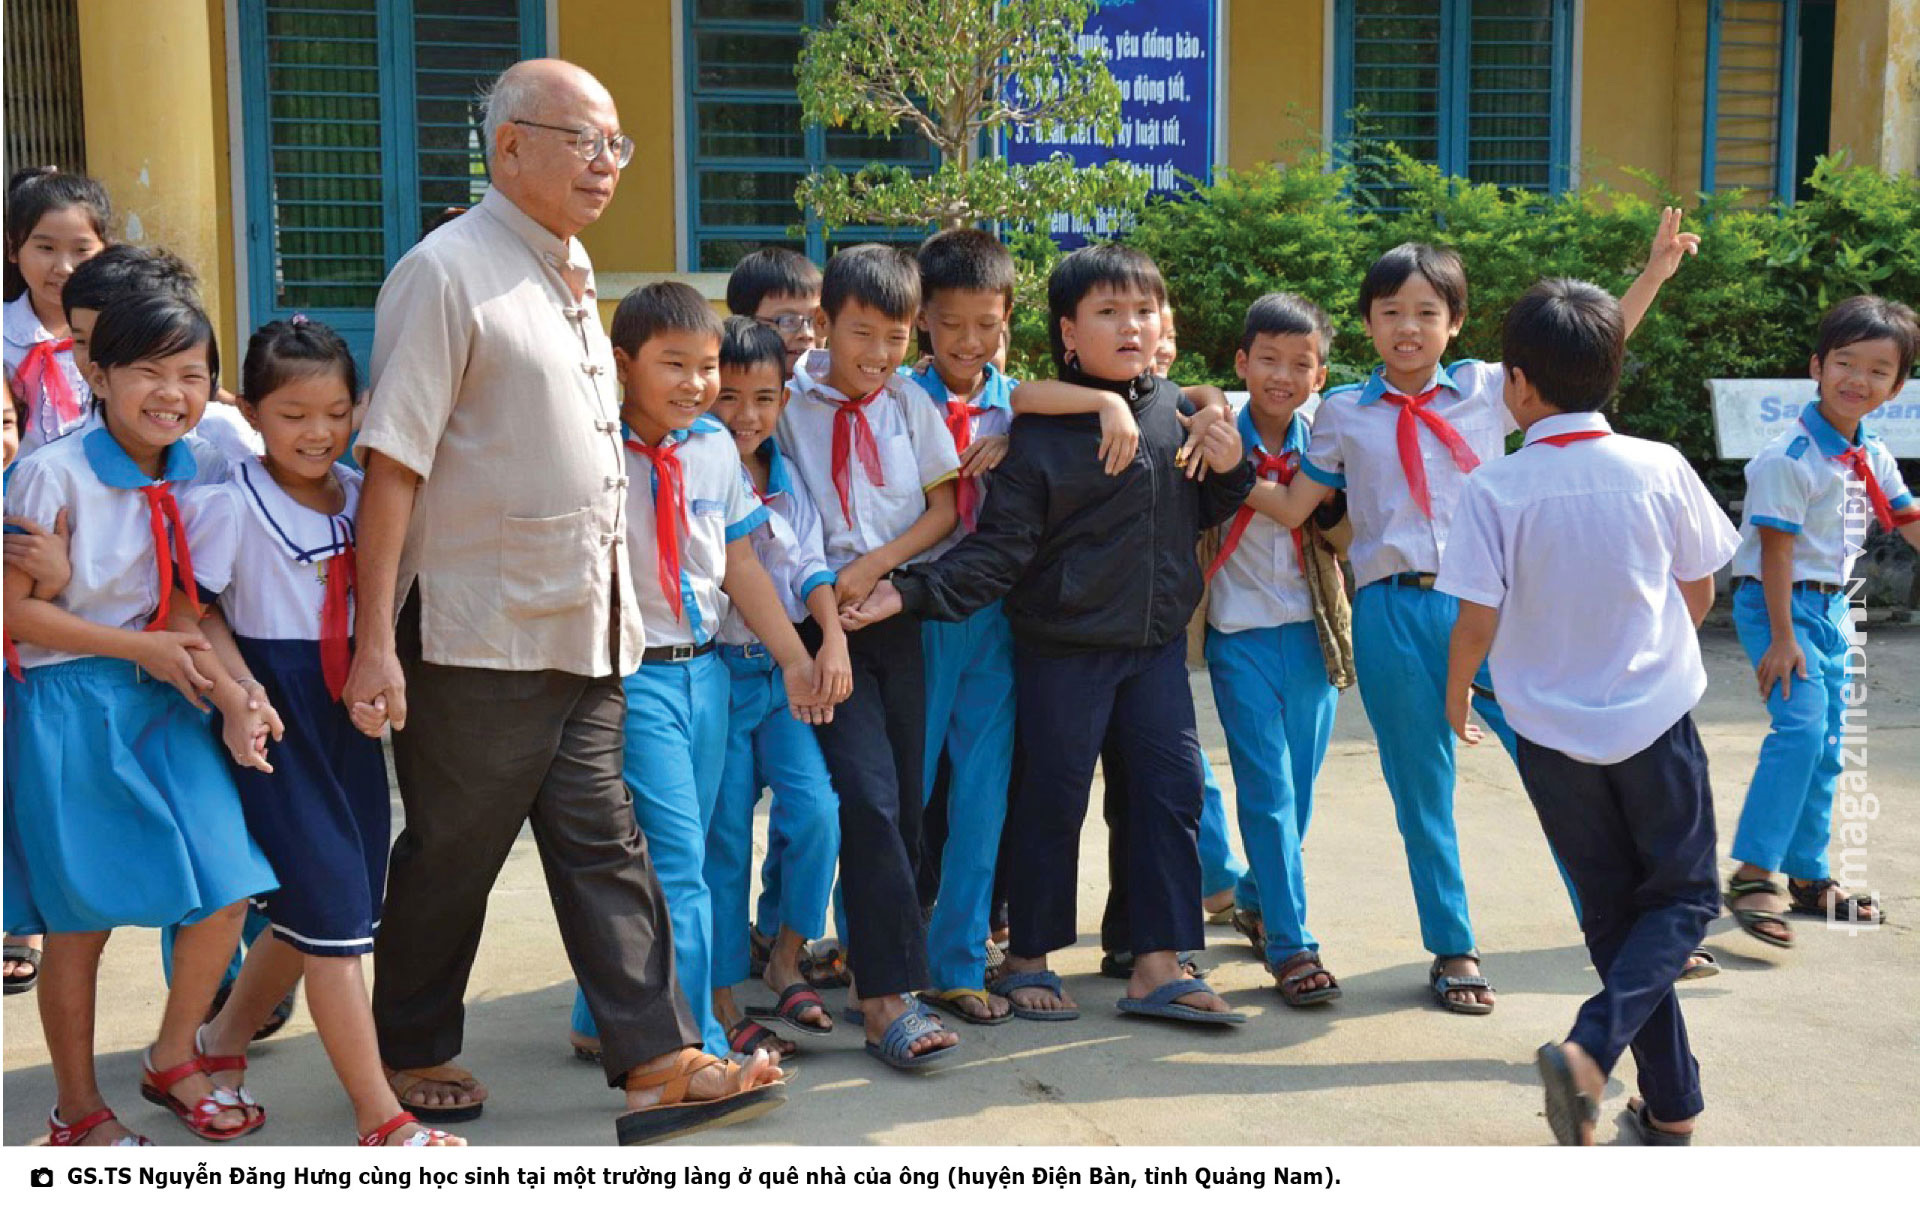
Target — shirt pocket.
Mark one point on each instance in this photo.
(546, 563)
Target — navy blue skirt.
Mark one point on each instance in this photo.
(323, 816)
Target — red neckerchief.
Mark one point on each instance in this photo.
(960, 416)
(42, 381)
(163, 511)
(1413, 413)
(669, 514)
(1854, 459)
(335, 653)
(1265, 466)
(853, 435)
(1567, 439)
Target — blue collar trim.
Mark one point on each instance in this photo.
(115, 467)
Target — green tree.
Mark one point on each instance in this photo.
(959, 72)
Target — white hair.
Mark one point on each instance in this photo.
(507, 97)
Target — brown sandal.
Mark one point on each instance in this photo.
(406, 1080)
(674, 1116)
(1297, 971)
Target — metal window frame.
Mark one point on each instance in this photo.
(1786, 173)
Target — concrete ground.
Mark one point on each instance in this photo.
(1817, 1045)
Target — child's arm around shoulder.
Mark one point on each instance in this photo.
(1119, 432)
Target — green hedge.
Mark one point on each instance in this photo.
(1746, 307)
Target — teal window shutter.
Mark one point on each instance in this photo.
(1748, 135)
(1480, 88)
(361, 122)
(747, 149)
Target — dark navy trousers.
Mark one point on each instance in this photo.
(1069, 707)
(1637, 840)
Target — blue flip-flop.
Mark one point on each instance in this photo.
(1164, 1002)
(1046, 980)
(895, 1047)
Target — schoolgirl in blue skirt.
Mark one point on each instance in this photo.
(274, 550)
(119, 807)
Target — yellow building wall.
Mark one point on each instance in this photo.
(629, 45)
(1876, 83)
(154, 77)
(1276, 77)
(1631, 68)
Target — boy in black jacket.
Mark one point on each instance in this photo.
(1100, 578)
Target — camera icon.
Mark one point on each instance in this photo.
(40, 1179)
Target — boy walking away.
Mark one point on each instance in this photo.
(1810, 494)
(1100, 579)
(879, 466)
(1584, 562)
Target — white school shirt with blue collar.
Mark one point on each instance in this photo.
(264, 555)
(1580, 547)
(1261, 584)
(115, 581)
(720, 508)
(996, 396)
(787, 545)
(1355, 446)
(20, 331)
(916, 454)
(1798, 485)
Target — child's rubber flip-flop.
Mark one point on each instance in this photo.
(951, 1000)
(1047, 981)
(793, 999)
(1567, 1106)
(1164, 1002)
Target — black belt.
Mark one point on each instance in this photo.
(1412, 580)
(675, 653)
(1817, 586)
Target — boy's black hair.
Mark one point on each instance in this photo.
(31, 194)
(286, 350)
(1569, 338)
(148, 326)
(874, 275)
(1441, 268)
(123, 270)
(1868, 317)
(1083, 270)
(770, 273)
(648, 311)
(749, 344)
(966, 259)
(1288, 314)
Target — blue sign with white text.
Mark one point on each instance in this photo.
(1162, 54)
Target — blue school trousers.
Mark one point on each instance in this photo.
(1137, 701)
(768, 747)
(970, 718)
(1787, 819)
(1637, 839)
(1277, 708)
(1400, 639)
(676, 746)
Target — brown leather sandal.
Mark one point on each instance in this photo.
(405, 1080)
(674, 1116)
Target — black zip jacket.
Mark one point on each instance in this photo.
(1086, 560)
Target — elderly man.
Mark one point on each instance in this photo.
(494, 515)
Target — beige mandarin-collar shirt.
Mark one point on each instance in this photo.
(495, 383)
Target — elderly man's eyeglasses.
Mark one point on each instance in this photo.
(590, 143)
(787, 324)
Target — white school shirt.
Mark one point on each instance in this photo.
(266, 556)
(916, 454)
(787, 545)
(1580, 548)
(115, 577)
(720, 507)
(1261, 584)
(226, 427)
(1355, 446)
(20, 331)
(1796, 484)
(996, 420)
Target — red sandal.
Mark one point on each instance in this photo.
(236, 1098)
(157, 1087)
(59, 1135)
(423, 1137)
